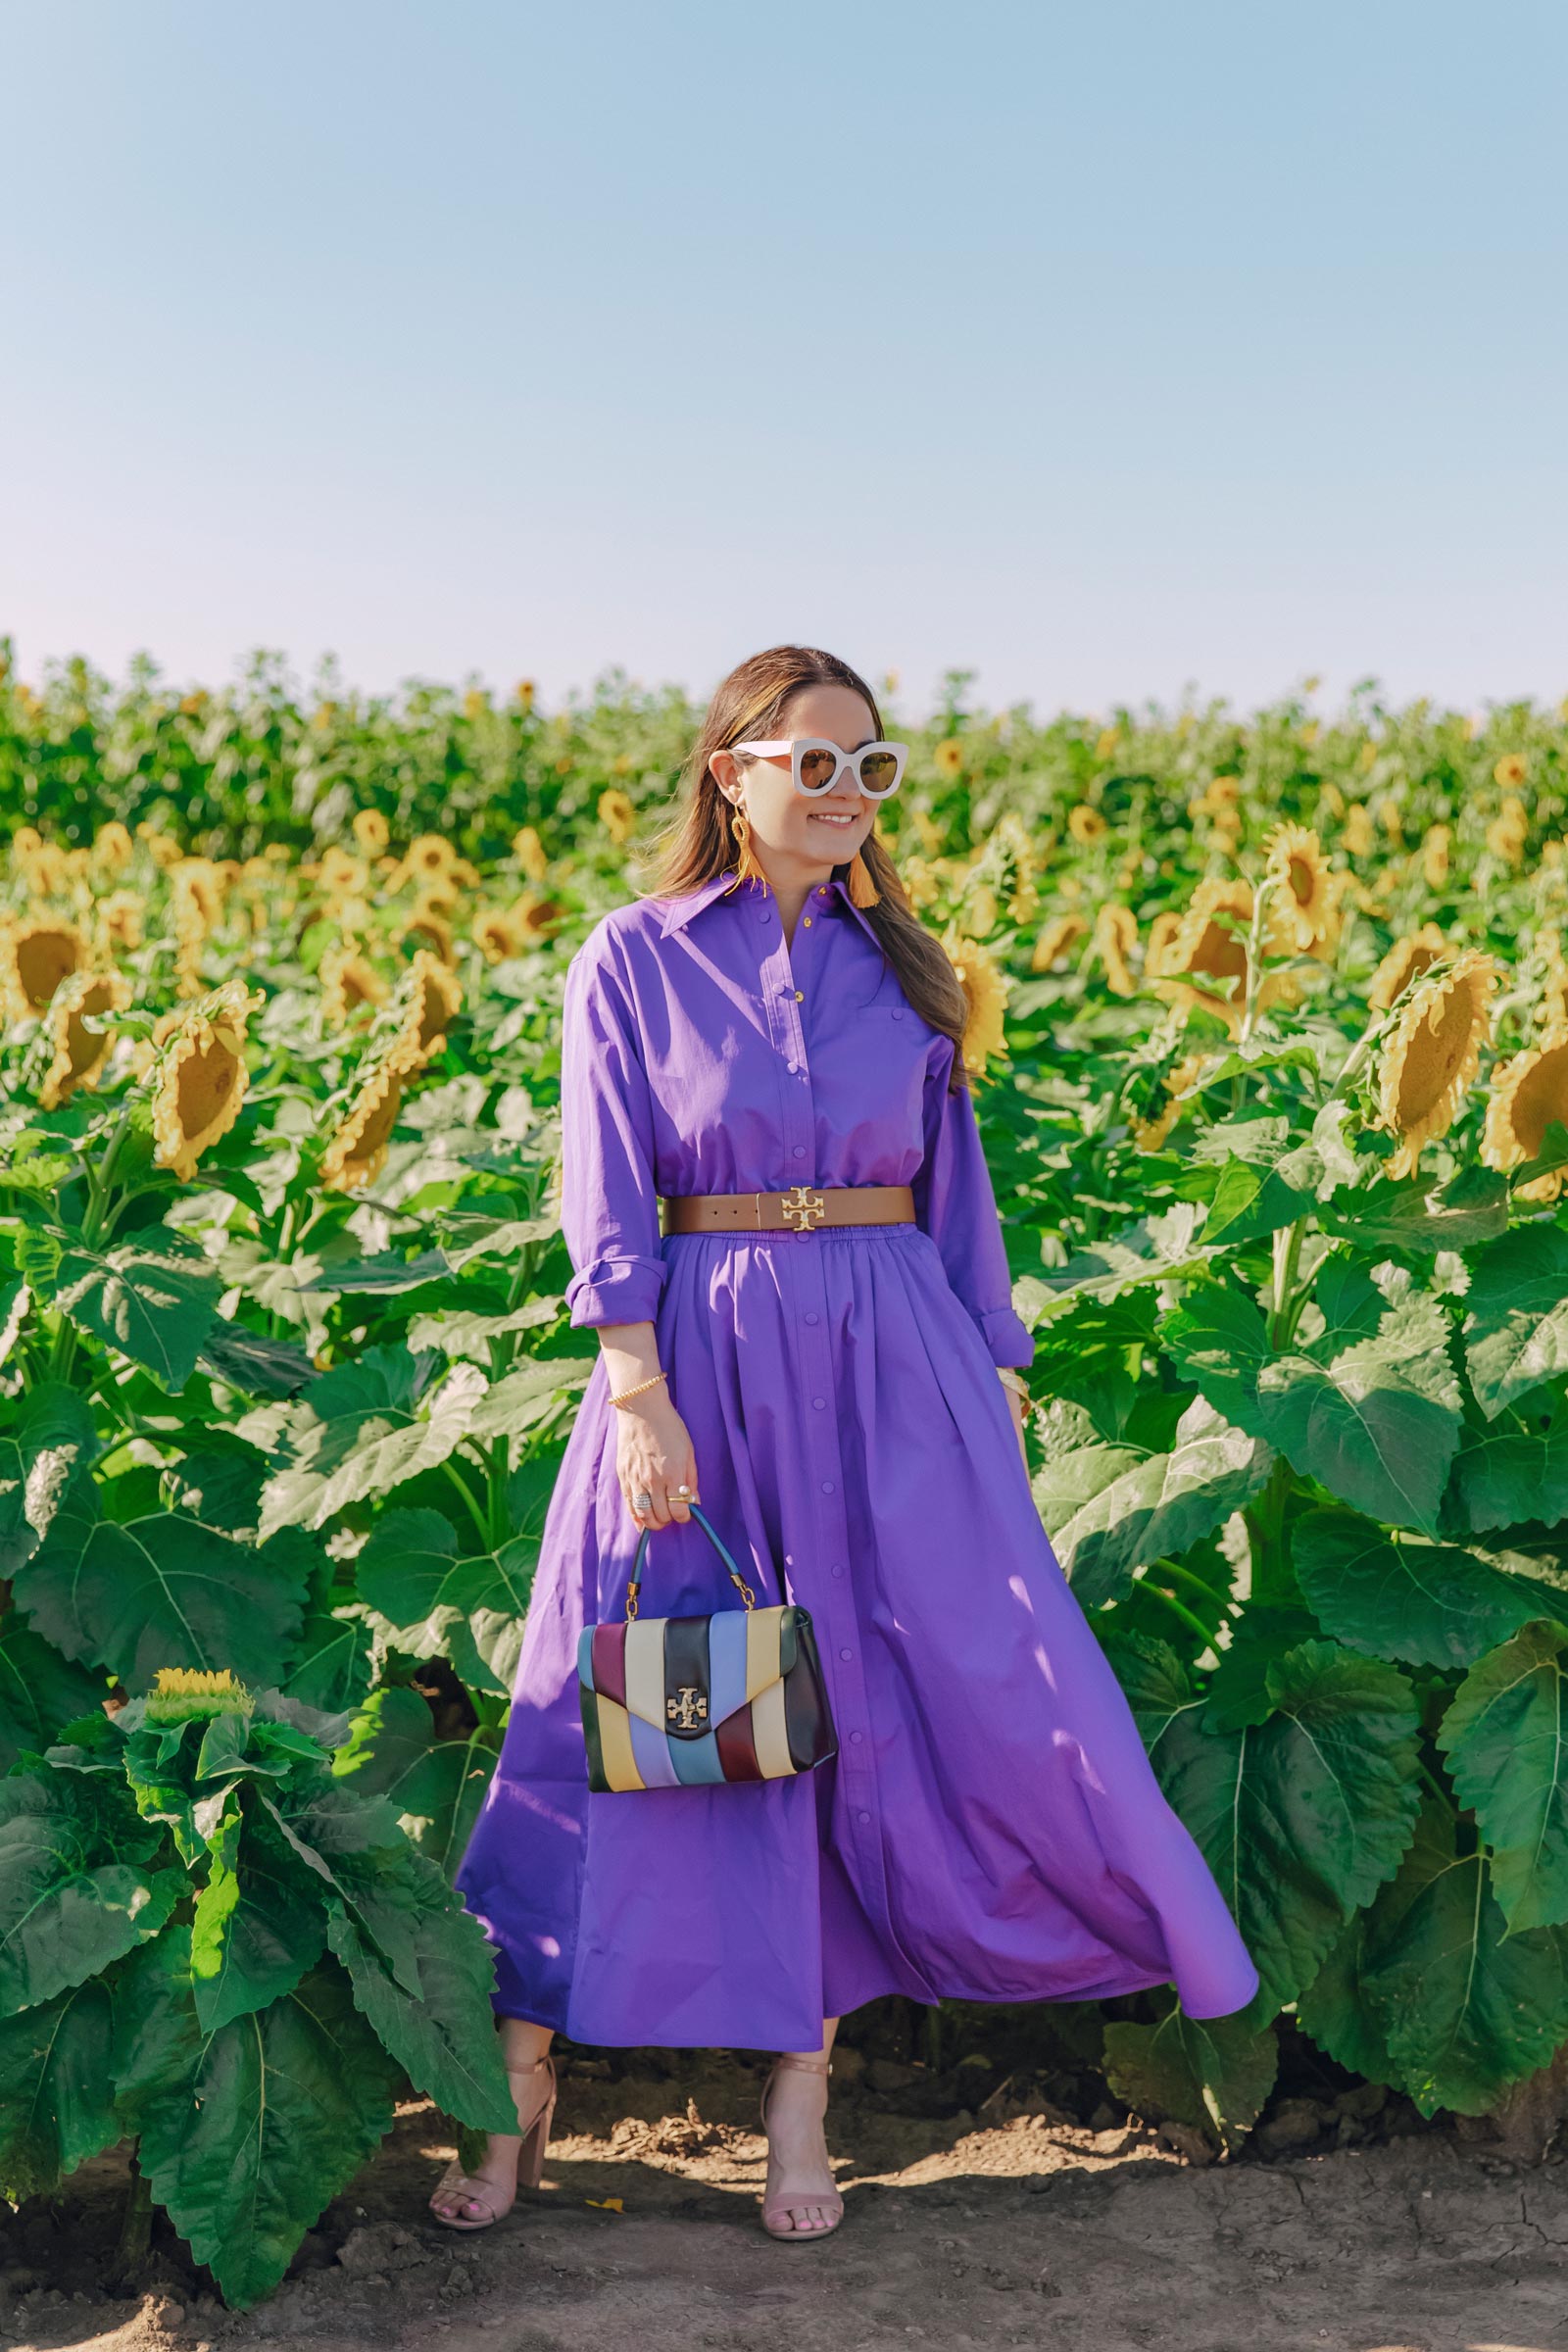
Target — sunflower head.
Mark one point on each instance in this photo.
(200, 1078)
(1086, 825)
(113, 848)
(1405, 962)
(1205, 958)
(1056, 936)
(1511, 771)
(986, 987)
(428, 1000)
(184, 1695)
(37, 953)
(428, 933)
(77, 1052)
(1433, 1054)
(356, 1150)
(533, 916)
(1360, 836)
(529, 851)
(618, 814)
(1148, 1135)
(1527, 1094)
(1116, 938)
(428, 858)
(122, 920)
(1304, 895)
(494, 936)
(348, 983)
(1434, 849)
(527, 690)
(371, 832)
(948, 758)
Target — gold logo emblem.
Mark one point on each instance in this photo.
(689, 1709)
(804, 1207)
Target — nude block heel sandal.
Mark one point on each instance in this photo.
(786, 2202)
(533, 2122)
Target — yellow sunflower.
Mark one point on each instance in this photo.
(355, 1153)
(1389, 817)
(618, 814)
(1359, 837)
(1407, 960)
(529, 851)
(347, 981)
(1434, 849)
(527, 690)
(37, 954)
(948, 758)
(980, 910)
(494, 936)
(986, 986)
(921, 882)
(1527, 1094)
(122, 920)
(1150, 1134)
(112, 846)
(426, 860)
(371, 832)
(1116, 938)
(1511, 771)
(1203, 956)
(533, 916)
(429, 932)
(200, 1078)
(1506, 840)
(79, 1053)
(427, 1001)
(930, 832)
(1107, 742)
(1055, 938)
(1086, 825)
(1432, 1055)
(1297, 862)
(475, 703)
(1165, 927)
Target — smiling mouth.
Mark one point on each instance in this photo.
(820, 816)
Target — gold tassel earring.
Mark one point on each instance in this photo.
(747, 868)
(863, 892)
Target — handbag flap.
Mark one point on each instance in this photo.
(685, 1676)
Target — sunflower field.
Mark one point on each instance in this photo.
(1269, 1031)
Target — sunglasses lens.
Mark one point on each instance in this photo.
(818, 771)
(879, 772)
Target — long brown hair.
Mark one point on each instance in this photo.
(696, 842)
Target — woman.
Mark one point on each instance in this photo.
(842, 1402)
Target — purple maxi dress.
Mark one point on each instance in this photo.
(992, 1829)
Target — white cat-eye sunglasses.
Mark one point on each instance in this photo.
(815, 766)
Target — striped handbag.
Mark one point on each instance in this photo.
(690, 1702)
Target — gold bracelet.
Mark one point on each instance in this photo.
(625, 1394)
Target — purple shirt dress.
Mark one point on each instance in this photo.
(991, 1829)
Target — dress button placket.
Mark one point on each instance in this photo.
(833, 1606)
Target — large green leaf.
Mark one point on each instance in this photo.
(257, 1926)
(1156, 1249)
(154, 1299)
(1147, 1506)
(524, 1399)
(1214, 2073)
(333, 1660)
(1466, 2007)
(1379, 1424)
(437, 1785)
(1508, 1476)
(78, 1886)
(1302, 1817)
(1427, 1605)
(1419, 1222)
(278, 2113)
(363, 1429)
(1516, 1330)
(1220, 1342)
(1336, 2010)
(57, 2105)
(164, 1590)
(40, 1692)
(1505, 1735)
(470, 1610)
(444, 2038)
(47, 1441)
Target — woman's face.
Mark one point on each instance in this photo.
(797, 839)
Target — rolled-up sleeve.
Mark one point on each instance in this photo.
(609, 1204)
(954, 1202)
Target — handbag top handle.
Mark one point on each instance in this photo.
(634, 1582)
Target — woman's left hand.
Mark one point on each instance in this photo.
(1015, 1407)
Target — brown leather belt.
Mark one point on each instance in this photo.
(799, 1210)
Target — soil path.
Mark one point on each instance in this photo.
(1012, 2229)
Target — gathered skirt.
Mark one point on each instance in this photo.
(990, 1828)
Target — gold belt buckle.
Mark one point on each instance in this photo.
(804, 1207)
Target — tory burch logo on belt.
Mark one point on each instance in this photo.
(804, 1207)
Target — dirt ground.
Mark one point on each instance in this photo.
(1344, 2226)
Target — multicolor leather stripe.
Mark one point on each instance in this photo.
(684, 1702)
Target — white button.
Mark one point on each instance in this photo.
(819, 1402)
(800, 1154)
(811, 1317)
(827, 1486)
(846, 1653)
(865, 1816)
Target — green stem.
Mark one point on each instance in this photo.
(1287, 1259)
(1179, 1608)
(481, 1524)
(135, 2227)
(1186, 1575)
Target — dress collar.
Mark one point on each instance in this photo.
(679, 912)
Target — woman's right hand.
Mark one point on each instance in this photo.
(653, 1457)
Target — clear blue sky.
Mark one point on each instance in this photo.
(1100, 348)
